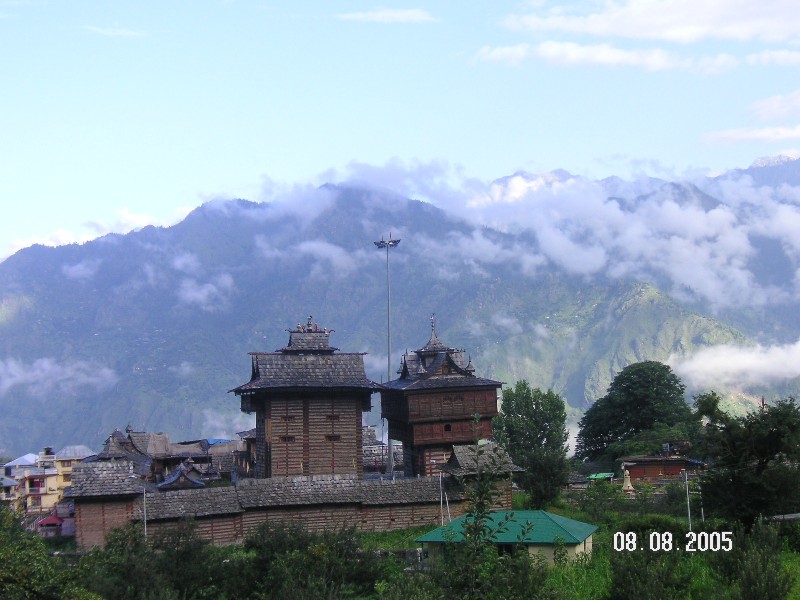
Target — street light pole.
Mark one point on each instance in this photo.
(387, 244)
(144, 504)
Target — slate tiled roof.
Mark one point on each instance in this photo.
(332, 489)
(118, 447)
(446, 381)
(309, 341)
(466, 459)
(536, 527)
(275, 370)
(436, 365)
(249, 434)
(105, 478)
(113, 480)
(156, 445)
(307, 362)
(201, 502)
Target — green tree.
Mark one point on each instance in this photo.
(753, 460)
(753, 569)
(26, 570)
(641, 396)
(532, 428)
(126, 568)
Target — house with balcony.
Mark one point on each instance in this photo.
(66, 458)
(37, 492)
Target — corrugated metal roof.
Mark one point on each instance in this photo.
(522, 526)
(74, 452)
(24, 460)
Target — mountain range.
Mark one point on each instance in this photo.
(554, 278)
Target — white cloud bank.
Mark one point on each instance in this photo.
(390, 15)
(730, 366)
(694, 239)
(679, 21)
(47, 376)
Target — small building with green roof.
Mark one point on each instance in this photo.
(537, 530)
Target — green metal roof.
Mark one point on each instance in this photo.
(518, 526)
(600, 476)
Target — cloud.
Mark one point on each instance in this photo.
(128, 221)
(284, 201)
(339, 261)
(47, 377)
(777, 107)
(506, 54)
(186, 262)
(389, 15)
(115, 31)
(679, 21)
(691, 239)
(183, 370)
(571, 53)
(82, 270)
(225, 425)
(574, 54)
(738, 367)
(506, 323)
(761, 134)
(210, 296)
(125, 222)
(782, 58)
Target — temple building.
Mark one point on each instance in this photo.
(308, 400)
(435, 403)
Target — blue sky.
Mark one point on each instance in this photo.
(118, 114)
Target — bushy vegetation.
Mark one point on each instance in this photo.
(288, 562)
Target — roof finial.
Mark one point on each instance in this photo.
(433, 323)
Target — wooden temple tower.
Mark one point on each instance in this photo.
(434, 403)
(308, 400)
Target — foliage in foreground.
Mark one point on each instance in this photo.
(285, 561)
(532, 428)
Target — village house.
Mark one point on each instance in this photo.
(655, 468)
(37, 490)
(66, 458)
(13, 471)
(538, 531)
(155, 457)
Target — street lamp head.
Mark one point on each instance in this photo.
(387, 243)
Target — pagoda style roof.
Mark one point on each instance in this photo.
(307, 362)
(185, 476)
(437, 365)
